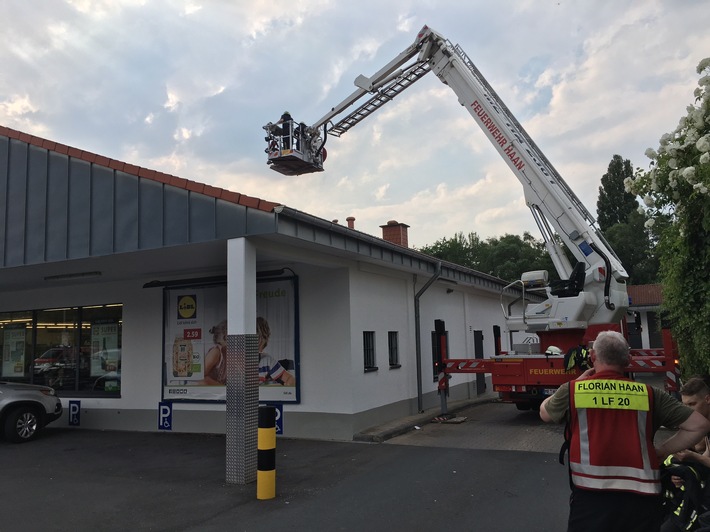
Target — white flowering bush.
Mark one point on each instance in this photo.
(676, 190)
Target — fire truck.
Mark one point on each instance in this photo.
(565, 314)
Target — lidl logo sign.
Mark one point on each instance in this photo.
(187, 307)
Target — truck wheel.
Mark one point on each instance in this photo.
(21, 424)
(523, 406)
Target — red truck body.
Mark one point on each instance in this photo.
(526, 379)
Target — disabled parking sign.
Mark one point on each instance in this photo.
(165, 415)
(74, 413)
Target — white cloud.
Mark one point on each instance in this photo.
(17, 106)
(381, 192)
(191, 8)
(182, 134)
(171, 104)
(185, 87)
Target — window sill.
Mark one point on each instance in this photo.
(395, 366)
(370, 370)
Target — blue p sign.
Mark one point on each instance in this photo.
(165, 416)
(74, 413)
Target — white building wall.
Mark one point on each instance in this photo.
(380, 302)
(463, 311)
(325, 341)
(338, 300)
(483, 312)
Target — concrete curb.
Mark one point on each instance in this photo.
(382, 433)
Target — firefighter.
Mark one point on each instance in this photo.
(287, 129)
(687, 492)
(611, 422)
(577, 357)
(695, 393)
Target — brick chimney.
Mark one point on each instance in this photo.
(396, 233)
(351, 222)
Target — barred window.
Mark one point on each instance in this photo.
(368, 348)
(393, 344)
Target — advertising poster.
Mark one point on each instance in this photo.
(276, 328)
(105, 354)
(13, 349)
(196, 343)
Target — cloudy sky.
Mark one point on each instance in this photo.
(185, 88)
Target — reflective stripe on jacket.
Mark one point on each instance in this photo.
(611, 440)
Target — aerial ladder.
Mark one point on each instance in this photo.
(590, 296)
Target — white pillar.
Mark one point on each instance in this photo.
(242, 363)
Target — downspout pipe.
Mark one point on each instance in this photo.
(417, 334)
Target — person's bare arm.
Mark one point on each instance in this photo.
(287, 379)
(690, 432)
(543, 411)
(692, 456)
(211, 360)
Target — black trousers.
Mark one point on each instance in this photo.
(614, 511)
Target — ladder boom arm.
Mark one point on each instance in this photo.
(558, 212)
(546, 193)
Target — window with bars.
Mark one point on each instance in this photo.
(368, 348)
(393, 345)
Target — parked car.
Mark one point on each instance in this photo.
(57, 367)
(54, 355)
(25, 409)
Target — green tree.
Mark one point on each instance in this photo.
(631, 241)
(676, 190)
(614, 203)
(623, 224)
(506, 257)
(509, 256)
(459, 249)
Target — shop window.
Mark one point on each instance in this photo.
(57, 359)
(368, 346)
(101, 340)
(16, 346)
(75, 350)
(393, 344)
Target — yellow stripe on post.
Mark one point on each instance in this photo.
(266, 439)
(266, 454)
(265, 485)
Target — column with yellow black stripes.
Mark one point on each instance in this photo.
(266, 454)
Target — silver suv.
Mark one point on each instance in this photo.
(25, 409)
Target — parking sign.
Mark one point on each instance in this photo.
(165, 415)
(74, 413)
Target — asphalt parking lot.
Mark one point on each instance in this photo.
(78, 480)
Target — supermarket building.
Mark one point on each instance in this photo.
(129, 290)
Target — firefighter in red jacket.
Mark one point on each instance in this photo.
(611, 422)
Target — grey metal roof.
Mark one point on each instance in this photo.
(57, 206)
(59, 203)
(311, 229)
